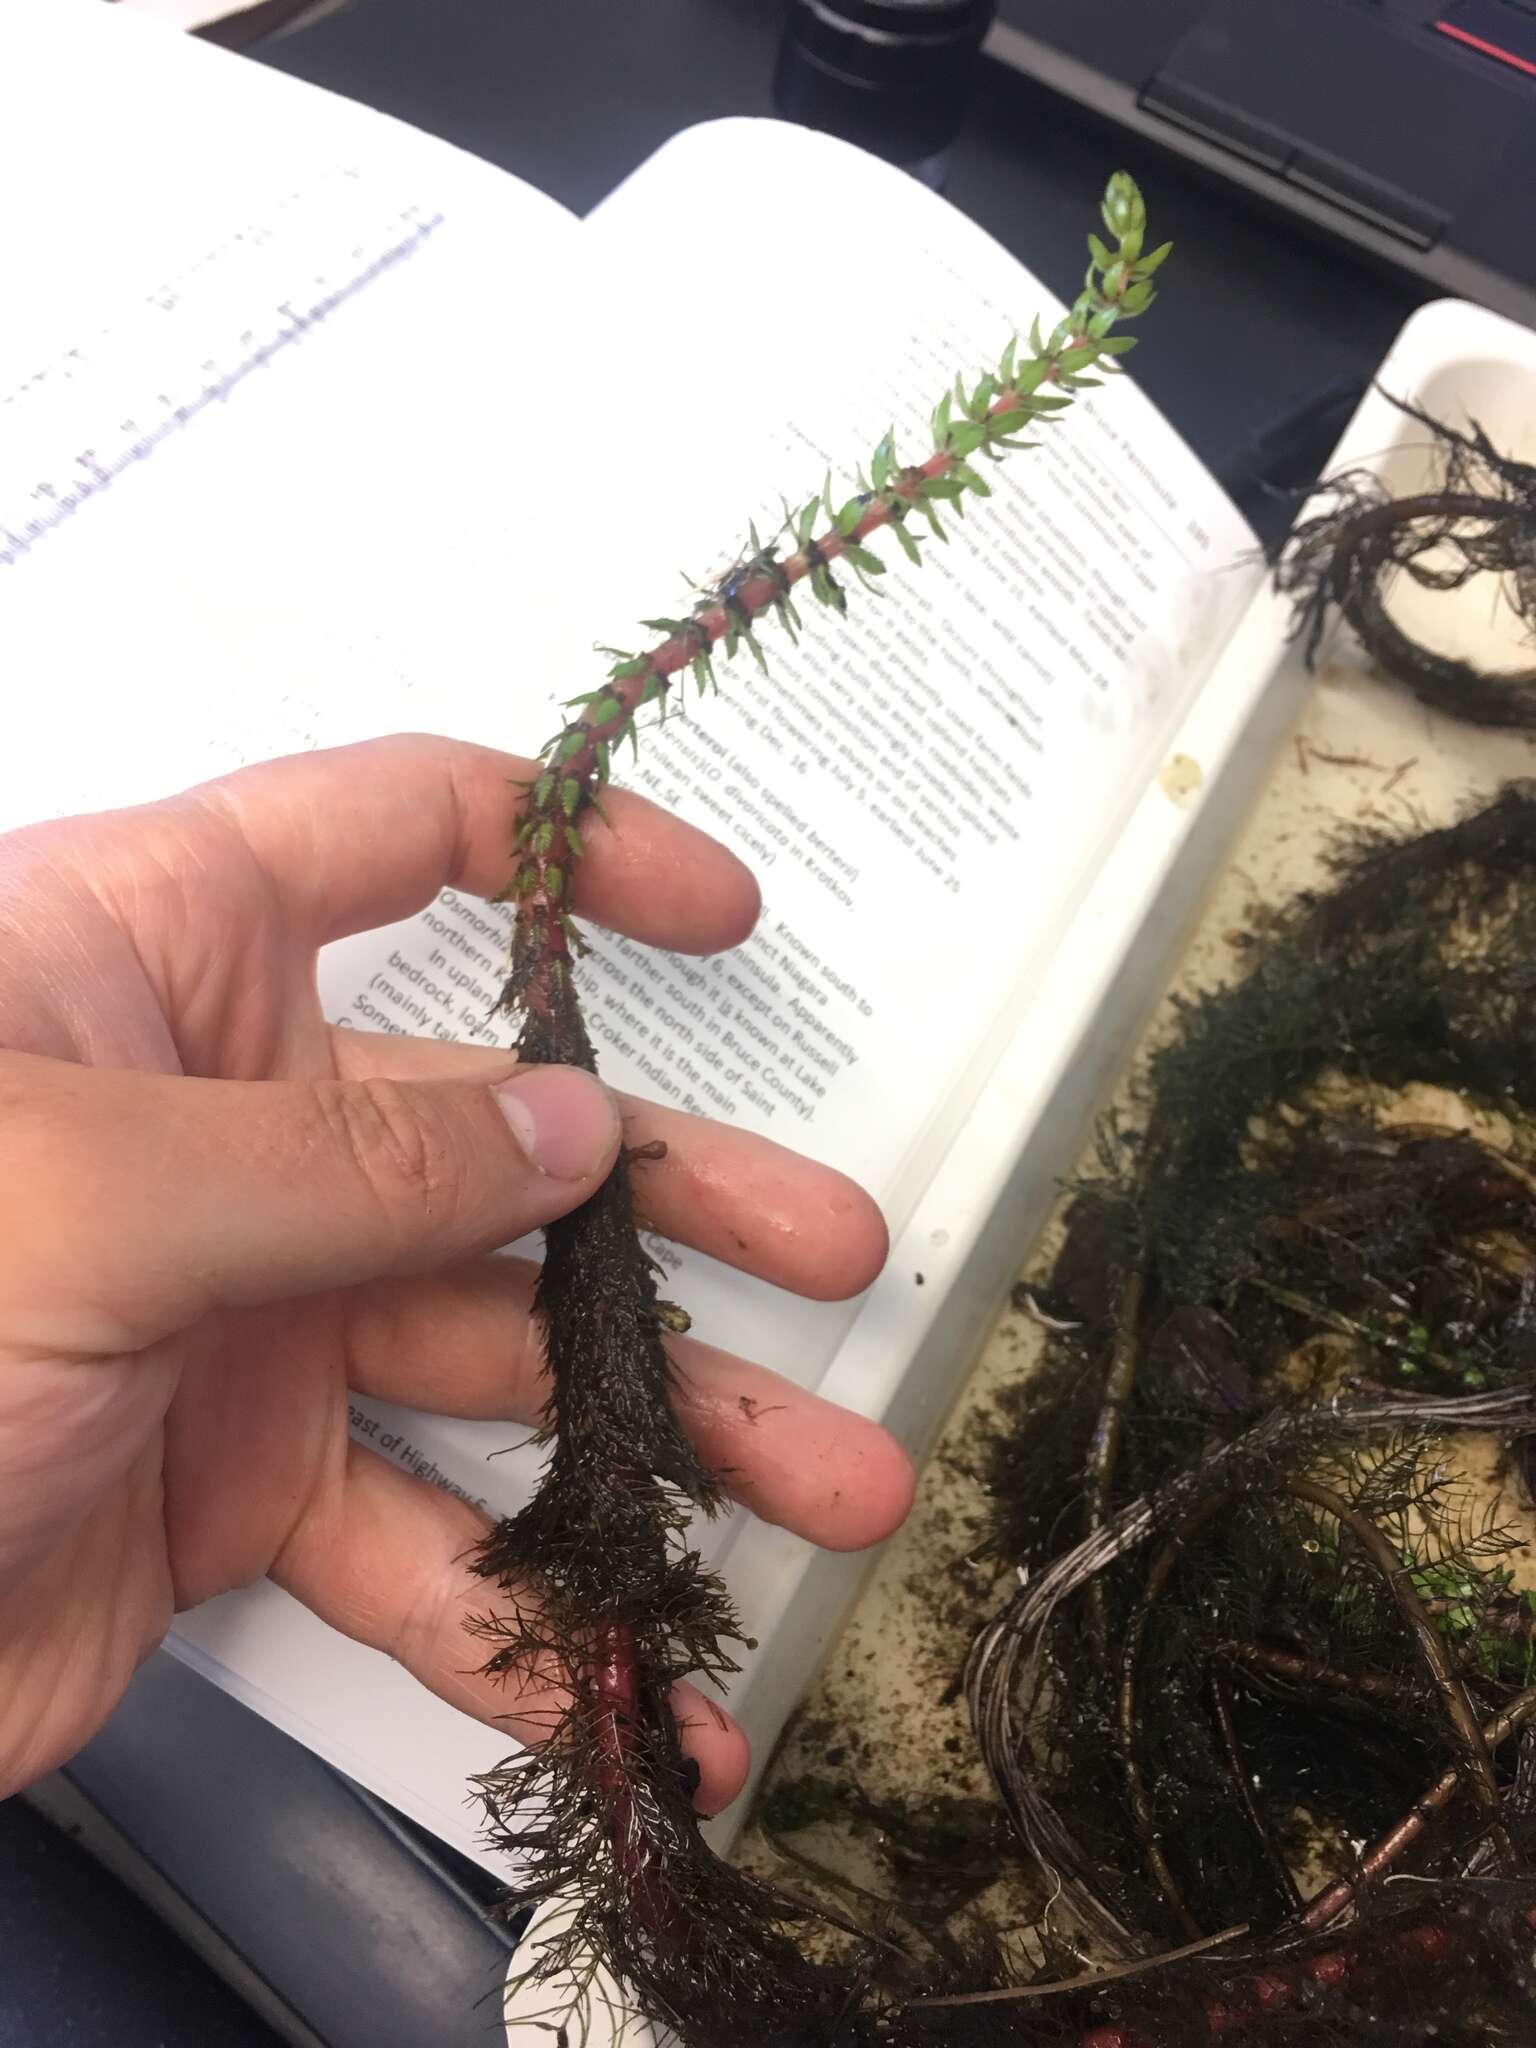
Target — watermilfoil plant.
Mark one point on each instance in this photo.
(603, 1812)
(1264, 1683)
(1475, 517)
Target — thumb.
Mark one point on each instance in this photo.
(134, 1203)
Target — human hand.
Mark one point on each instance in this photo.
(220, 1215)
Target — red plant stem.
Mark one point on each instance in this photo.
(1374, 1685)
(1385, 1850)
(753, 596)
(615, 1685)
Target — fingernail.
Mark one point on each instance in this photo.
(565, 1120)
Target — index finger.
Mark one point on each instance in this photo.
(361, 836)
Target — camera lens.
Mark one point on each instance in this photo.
(889, 75)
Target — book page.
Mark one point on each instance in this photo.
(260, 384)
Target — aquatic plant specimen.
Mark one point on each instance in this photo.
(1477, 519)
(603, 1812)
(1267, 1691)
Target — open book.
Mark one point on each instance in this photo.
(313, 428)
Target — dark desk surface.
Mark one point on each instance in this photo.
(1257, 317)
